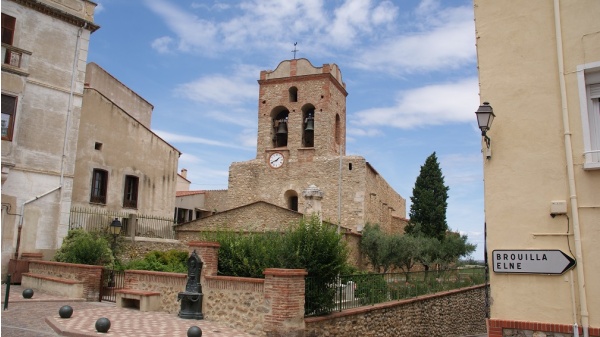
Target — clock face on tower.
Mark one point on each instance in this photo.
(276, 160)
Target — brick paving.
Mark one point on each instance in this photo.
(38, 317)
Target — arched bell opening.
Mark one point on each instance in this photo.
(308, 126)
(279, 117)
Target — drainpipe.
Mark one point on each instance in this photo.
(571, 175)
(65, 138)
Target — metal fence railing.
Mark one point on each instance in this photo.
(91, 219)
(351, 291)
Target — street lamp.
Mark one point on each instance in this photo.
(485, 117)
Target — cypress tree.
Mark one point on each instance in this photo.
(429, 201)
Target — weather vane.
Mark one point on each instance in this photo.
(295, 50)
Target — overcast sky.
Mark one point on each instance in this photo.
(409, 66)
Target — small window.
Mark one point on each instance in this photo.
(293, 94)
(338, 130)
(98, 146)
(9, 108)
(589, 87)
(350, 167)
(594, 122)
(99, 184)
(8, 28)
(291, 198)
(294, 203)
(130, 196)
(8, 33)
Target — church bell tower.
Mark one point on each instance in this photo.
(301, 114)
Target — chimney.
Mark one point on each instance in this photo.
(184, 173)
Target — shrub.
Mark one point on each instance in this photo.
(84, 247)
(309, 245)
(174, 261)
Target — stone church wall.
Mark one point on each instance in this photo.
(216, 200)
(256, 217)
(366, 196)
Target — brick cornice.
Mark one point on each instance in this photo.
(204, 244)
(285, 272)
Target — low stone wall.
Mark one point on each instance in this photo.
(239, 301)
(453, 313)
(89, 275)
(167, 284)
(270, 307)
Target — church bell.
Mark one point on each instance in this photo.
(310, 123)
(282, 128)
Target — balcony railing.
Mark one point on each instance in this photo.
(15, 59)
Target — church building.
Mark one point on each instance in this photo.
(301, 166)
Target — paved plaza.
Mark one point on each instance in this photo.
(38, 317)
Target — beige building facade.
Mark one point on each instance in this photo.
(121, 165)
(300, 164)
(539, 68)
(44, 53)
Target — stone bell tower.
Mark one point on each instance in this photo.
(301, 145)
(302, 112)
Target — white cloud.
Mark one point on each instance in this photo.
(188, 159)
(430, 105)
(163, 44)
(191, 30)
(359, 132)
(446, 45)
(220, 89)
(184, 139)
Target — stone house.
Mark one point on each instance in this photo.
(44, 53)
(121, 166)
(539, 69)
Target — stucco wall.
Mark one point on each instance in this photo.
(120, 94)
(32, 161)
(519, 76)
(128, 148)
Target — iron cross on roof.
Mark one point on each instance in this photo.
(295, 50)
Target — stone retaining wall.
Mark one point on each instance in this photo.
(239, 301)
(167, 284)
(453, 313)
(89, 275)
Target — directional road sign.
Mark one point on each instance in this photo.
(552, 261)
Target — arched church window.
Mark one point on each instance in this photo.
(338, 130)
(293, 94)
(291, 198)
(280, 127)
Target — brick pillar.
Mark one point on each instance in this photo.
(208, 253)
(284, 289)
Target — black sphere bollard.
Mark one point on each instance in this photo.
(28, 293)
(65, 311)
(102, 324)
(194, 331)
